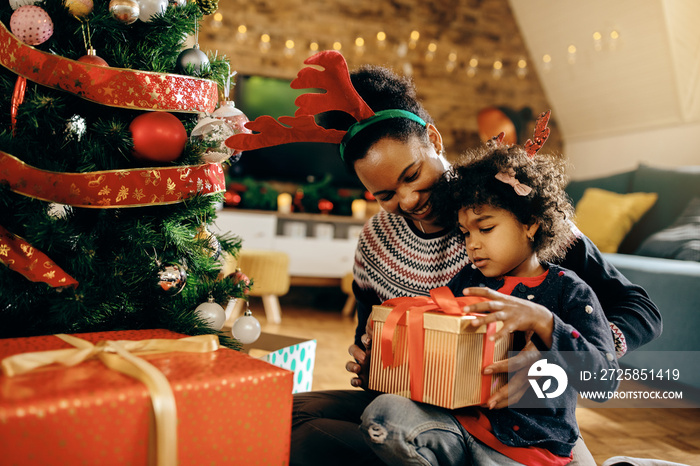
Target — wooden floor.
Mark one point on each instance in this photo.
(668, 434)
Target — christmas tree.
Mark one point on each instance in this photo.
(105, 195)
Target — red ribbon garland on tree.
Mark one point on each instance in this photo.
(137, 187)
(21, 257)
(103, 189)
(116, 87)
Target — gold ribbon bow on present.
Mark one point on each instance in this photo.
(118, 355)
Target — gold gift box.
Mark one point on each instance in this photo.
(453, 352)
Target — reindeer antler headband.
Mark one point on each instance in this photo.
(531, 146)
(340, 95)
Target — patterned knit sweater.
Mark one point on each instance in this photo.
(393, 258)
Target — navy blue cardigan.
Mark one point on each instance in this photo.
(581, 341)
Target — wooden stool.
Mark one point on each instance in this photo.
(269, 272)
(346, 286)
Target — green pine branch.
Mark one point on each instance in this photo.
(115, 254)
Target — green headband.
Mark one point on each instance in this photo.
(378, 116)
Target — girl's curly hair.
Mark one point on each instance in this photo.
(471, 182)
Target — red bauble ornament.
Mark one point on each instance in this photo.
(325, 206)
(92, 58)
(158, 136)
(232, 198)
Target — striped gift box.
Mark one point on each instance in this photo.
(453, 359)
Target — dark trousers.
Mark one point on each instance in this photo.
(326, 429)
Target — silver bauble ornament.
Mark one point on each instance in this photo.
(246, 328)
(149, 8)
(212, 313)
(172, 278)
(125, 11)
(194, 57)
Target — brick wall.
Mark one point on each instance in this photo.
(459, 29)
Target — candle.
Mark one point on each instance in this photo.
(359, 208)
(284, 203)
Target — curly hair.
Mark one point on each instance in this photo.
(381, 89)
(471, 182)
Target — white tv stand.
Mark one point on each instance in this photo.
(321, 248)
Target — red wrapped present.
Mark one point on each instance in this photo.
(426, 349)
(197, 402)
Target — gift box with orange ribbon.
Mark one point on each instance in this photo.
(140, 397)
(426, 349)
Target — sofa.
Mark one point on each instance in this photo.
(659, 249)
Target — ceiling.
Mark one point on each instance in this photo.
(646, 78)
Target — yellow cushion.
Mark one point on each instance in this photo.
(606, 217)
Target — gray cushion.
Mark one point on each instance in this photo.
(679, 241)
(675, 187)
(618, 183)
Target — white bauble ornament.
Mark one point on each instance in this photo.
(246, 328)
(212, 313)
(75, 128)
(148, 8)
(14, 4)
(235, 119)
(58, 211)
(214, 133)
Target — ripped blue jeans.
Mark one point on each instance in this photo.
(403, 432)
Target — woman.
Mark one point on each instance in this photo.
(404, 251)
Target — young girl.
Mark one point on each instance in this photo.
(513, 213)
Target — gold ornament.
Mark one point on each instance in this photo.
(208, 7)
(212, 247)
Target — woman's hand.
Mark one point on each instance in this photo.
(515, 313)
(360, 365)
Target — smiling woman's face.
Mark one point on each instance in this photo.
(400, 176)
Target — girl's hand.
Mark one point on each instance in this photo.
(515, 313)
(518, 384)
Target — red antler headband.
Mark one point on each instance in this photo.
(540, 136)
(541, 133)
(340, 95)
